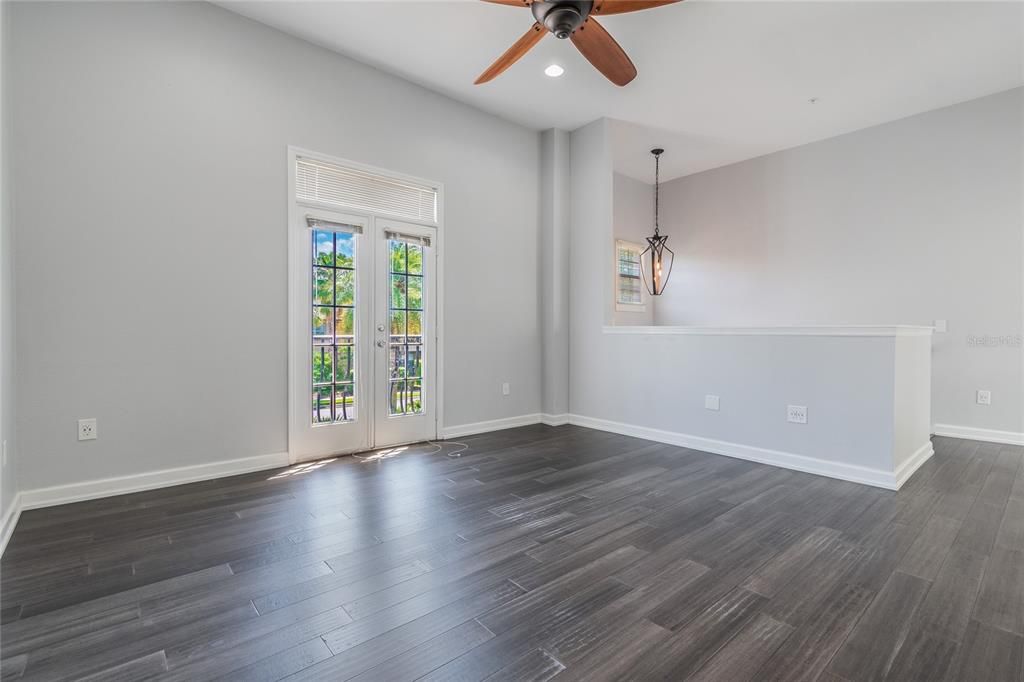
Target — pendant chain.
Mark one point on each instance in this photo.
(657, 182)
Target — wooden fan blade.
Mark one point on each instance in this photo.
(512, 54)
(601, 50)
(512, 3)
(606, 7)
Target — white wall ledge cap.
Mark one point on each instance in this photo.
(780, 330)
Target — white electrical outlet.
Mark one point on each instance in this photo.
(797, 414)
(87, 429)
(506, 389)
(984, 397)
(711, 402)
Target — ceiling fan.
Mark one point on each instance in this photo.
(574, 19)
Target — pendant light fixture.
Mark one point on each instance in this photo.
(656, 259)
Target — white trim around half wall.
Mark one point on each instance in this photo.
(838, 330)
(786, 460)
(971, 433)
(121, 485)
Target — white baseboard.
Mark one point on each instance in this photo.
(9, 521)
(913, 463)
(492, 425)
(890, 480)
(971, 433)
(120, 485)
(787, 460)
(77, 492)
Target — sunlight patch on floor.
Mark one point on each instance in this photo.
(303, 468)
(386, 453)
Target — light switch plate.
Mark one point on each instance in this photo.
(506, 389)
(711, 402)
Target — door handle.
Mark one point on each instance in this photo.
(380, 327)
(380, 343)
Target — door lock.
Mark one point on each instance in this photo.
(380, 327)
(380, 344)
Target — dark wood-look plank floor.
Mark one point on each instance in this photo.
(538, 553)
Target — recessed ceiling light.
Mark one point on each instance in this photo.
(554, 71)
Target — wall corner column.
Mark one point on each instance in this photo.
(554, 265)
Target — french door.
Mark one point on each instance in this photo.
(364, 353)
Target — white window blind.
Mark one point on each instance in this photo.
(322, 224)
(422, 240)
(364, 190)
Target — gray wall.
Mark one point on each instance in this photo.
(590, 269)
(908, 222)
(633, 221)
(9, 470)
(656, 381)
(554, 260)
(150, 144)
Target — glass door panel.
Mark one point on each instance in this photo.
(333, 327)
(405, 310)
(405, 409)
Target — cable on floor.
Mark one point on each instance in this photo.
(454, 453)
(387, 453)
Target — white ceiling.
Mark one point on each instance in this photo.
(718, 82)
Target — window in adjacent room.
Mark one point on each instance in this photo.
(629, 288)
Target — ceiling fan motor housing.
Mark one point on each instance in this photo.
(561, 17)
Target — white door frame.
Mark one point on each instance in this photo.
(299, 288)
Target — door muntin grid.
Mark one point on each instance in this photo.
(334, 348)
(406, 319)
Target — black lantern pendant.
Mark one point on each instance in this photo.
(656, 260)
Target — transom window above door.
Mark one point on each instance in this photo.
(362, 190)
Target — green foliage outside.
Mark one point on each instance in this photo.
(333, 320)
